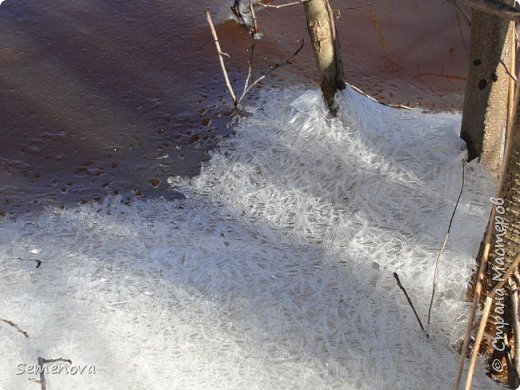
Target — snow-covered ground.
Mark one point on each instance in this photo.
(276, 270)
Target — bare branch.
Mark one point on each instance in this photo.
(282, 5)
(41, 362)
(254, 33)
(360, 91)
(252, 85)
(11, 323)
(437, 260)
(220, 55)
(249, 72)
(271, 70)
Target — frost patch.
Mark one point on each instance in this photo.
(274, 272)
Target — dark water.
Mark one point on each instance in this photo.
(102, 97)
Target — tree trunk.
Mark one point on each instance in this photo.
(485, 99)
(325, 44)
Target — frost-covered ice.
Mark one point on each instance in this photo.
(274, 273)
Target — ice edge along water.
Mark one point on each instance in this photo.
(275, 271)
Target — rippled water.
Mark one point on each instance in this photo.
(102, 97)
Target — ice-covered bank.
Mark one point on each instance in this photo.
(276, 270)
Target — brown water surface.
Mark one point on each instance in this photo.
(101, 97)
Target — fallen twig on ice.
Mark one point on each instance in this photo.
(410, 302)
(11, 323)
(42, 362)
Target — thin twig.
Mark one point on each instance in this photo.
(249, 73)
(282, 5)
(495, 8)
(250, 63)
(360, 91)
(511, 76)
(271, 70)
(483, 320)
(11, 323)
(45, 361)
(253, 16)
(437, 261)
(38, 262)
(409, 302)
(41, 362)
(221, 59)
(461, 11)
(248, 86)
(267, 5)
(448, 77)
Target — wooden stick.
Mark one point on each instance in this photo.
(512, 113)
(512, 104)
(471, 319)
(478, 340)
(249, 74)
(483, 320)
(221, 59)
(516, 323)
(250, 63)
(253, 16)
